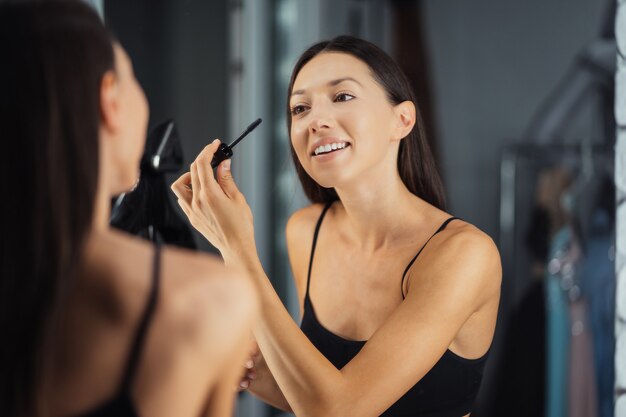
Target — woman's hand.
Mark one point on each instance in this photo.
(250, 372)
(216, 208)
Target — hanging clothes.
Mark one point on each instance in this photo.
(557, 324)
(597, 278)
(583, 400)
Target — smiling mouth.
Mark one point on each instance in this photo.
(332, 147)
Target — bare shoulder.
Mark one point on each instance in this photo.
(202, 297)
(462, 237)
(303, 219)
(301, 227)
(203, 309)
(299, 236)
(198, 294)
(467, 255)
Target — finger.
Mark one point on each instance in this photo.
(195, 180)
(226, 180)
(205, 171)
(182, 181)
(181, 188)
(185, 206)
(249, 364)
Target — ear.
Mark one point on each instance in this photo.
(405, 119)
(109, 102)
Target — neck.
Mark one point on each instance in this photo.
(102, 210)
(378, 209)
(107, 186)
(102, 206)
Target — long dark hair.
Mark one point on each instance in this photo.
(416, 164)
(53, 57)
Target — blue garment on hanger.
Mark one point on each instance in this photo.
(597, 277)
(557, 328)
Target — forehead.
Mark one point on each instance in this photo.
(331, 66)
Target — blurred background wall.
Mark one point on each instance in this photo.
(482, 69)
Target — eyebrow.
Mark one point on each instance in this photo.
(331, 83)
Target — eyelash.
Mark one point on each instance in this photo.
(344, 93)
(296, 110)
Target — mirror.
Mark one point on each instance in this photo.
(518, 102)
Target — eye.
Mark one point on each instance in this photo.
(344, 96)
(295, 110)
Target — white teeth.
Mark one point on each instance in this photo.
(329, 147)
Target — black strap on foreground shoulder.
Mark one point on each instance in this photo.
(142, 329)
(441, 228)
(317, 230)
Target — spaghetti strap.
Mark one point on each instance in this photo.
(317, 229)
(142, 328)
(441, 228)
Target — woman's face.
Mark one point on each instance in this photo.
(342, 122)
(133, 115)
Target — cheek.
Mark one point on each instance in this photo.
(139, 119)
(372, 127)
(367, 119)
(140, 108)
(298, 141)
(144, 106)
(299, 130)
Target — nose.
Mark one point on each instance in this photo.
(320, 119)
(318, 125)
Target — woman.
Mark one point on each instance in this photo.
(93, 321)
(399, 298)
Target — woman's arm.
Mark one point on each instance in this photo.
(299, 237)
(458, 282)
(265, 388)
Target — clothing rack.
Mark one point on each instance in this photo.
(519, 167)
(591, 167)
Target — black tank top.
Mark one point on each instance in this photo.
(121, 405)
(447, 390)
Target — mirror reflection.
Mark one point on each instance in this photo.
(424, 223)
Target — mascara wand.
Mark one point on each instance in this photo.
(226, 151)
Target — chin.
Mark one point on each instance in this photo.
(134, 184)
(327, 182)
(128, 184)
(332, 179)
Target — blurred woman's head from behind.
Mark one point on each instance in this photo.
(415, 163)
(67, 96)
(124, 117)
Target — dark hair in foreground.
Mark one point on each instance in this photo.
(416, 164)
(54, 55)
